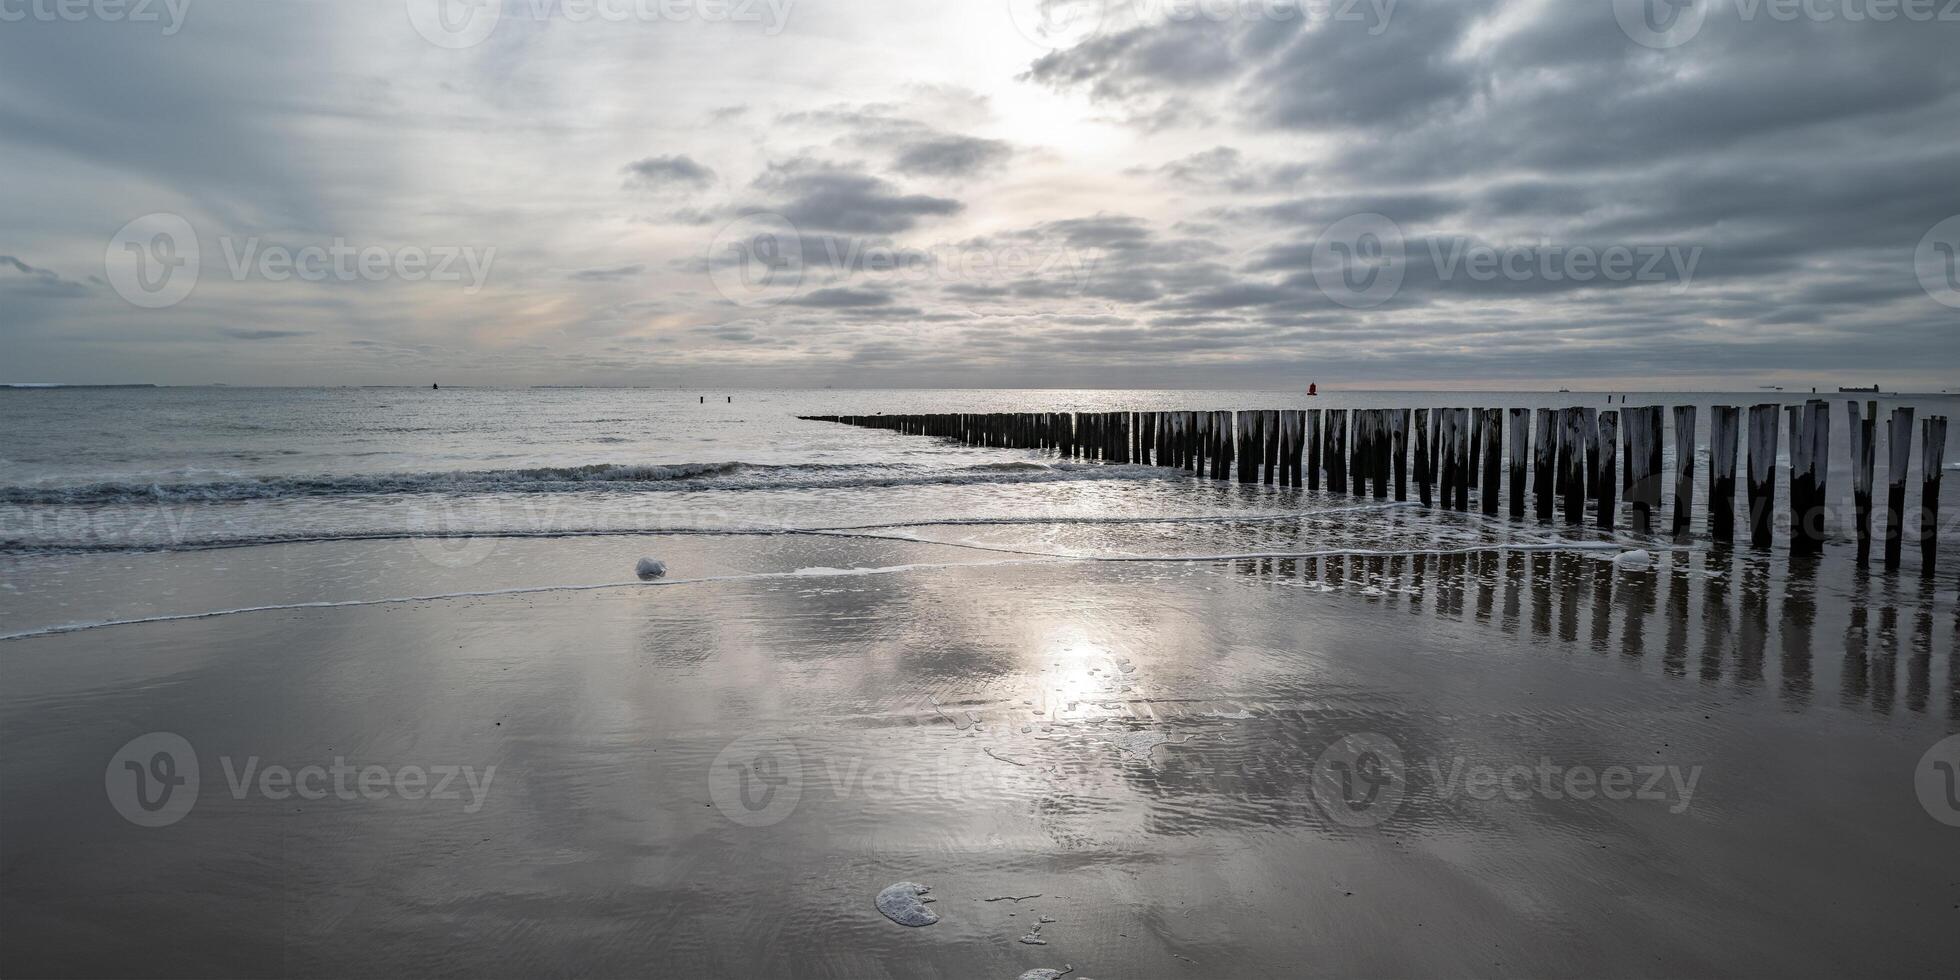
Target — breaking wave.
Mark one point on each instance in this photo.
(618, 477)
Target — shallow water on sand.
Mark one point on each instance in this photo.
(1166, 726)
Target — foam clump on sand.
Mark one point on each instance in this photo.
(1047, 974)
(1633, 559)
(902, 903)
(649, 568)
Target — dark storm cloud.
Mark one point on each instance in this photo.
(20, 279)
(666, 171)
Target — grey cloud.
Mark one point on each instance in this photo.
(837, 297)
(608, 275)
(237, 333)
(820, 196)
(664, 171)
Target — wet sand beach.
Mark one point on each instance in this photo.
(717, 778)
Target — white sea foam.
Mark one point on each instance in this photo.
(905, 904)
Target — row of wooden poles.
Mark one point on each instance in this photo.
(1570, 455)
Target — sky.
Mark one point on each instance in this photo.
(1496, 194)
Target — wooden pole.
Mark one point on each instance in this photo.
(1313, 449)
(1932, 455)
(1898, 444)
(1762, 474)
(1399, 420)
(1684, 468)
(1446, 454)
(1384, 449)
(1363, 456)
(1810, 518)
(1423, 474)
(1337, 450)
(1724, 432)
(1464, 473)
(1544, 454)
(1493, 459)
(1639, 478)
(1520, 451)
(1864, 453)
(1609, 424)
(1572, 460)
(1271, 449)
(1803, 479)
(1591, 431)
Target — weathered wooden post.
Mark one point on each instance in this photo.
(1466, 474)
(1572, 459)
(1299, 451)
(1271, 448)
(1544, 454)
(1242, 425)
(1313, 449)
(1384, 449)
(1810, 471)
(1801, 478)
(1724, 434)
(1446, 455)
(1609, 424)
(1864, 453)
(1591, 431)
(1932, 457)
(1424, 476)
(1684, 468)
(1361, 455)
(1399, 420)
(1762, 474)
(1476, 417)
(1639, 478)
(1337, 425)
(1898, 444)
(1283, 435)
(1520, 450)
(1493, 422)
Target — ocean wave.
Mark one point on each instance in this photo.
(623, 477)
